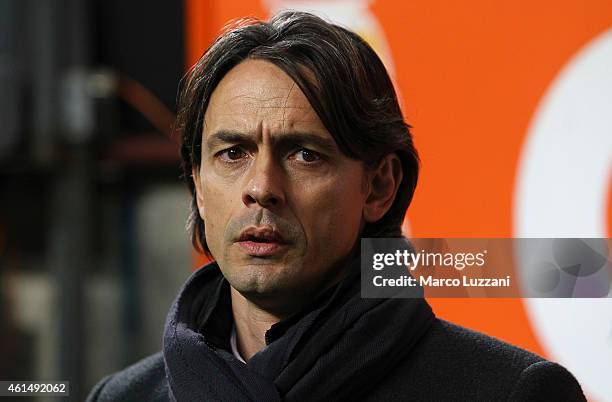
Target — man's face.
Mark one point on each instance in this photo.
(282, 205)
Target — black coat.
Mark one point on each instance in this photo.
(342, 347)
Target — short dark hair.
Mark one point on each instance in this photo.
(344, 80)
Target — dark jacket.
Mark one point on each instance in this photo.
(342, 347)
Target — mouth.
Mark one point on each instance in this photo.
(262, 242)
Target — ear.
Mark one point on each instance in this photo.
(195, 175)
(383, 183)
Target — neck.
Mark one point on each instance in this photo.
(251, 322)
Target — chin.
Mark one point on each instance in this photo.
(259, 279)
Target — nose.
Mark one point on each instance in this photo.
(265, 184)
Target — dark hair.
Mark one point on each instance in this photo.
(341, 76)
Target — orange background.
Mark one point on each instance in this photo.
(471, 74)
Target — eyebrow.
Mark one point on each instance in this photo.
(300, 138)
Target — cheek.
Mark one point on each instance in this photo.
(218, 203)
(334, 212)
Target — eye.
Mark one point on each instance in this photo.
(231, 154)
(306, 155)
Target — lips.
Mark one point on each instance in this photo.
(262, 241)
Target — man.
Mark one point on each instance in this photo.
(294, 147)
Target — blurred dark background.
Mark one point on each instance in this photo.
(92, 208)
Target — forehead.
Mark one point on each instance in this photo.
(256, 95)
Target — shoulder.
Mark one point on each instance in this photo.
(451, 360)
(546, 381)
(142, 381)
(446, 338)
